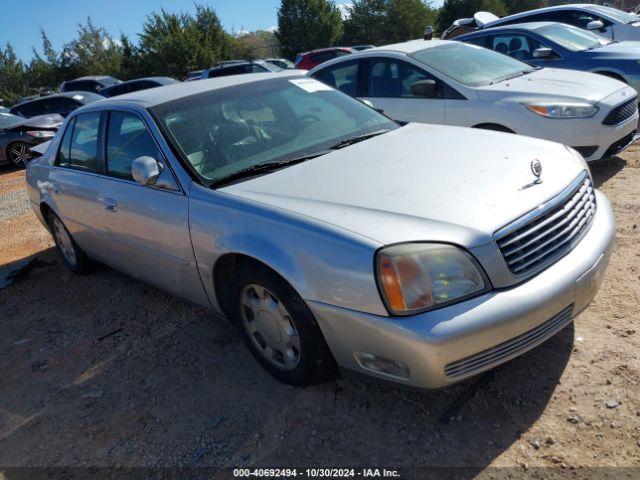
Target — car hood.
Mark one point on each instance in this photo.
(51, 121)
(420, 182)
(550, 83)
(620, 50)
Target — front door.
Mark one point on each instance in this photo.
(148, 226)
(388, 87)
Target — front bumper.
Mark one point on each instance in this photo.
(451, 344)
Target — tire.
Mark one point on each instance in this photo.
(278, 327)
(19, 155)
(73, 256)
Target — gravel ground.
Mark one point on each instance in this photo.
(103, 370)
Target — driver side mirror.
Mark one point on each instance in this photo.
(595, 25)
(423, 88)
(146, 170)
(543, 52)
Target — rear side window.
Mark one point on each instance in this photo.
(127, 139)
(343, 76)
(79, 148)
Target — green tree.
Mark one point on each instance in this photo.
(517, 6)
(44, 72)
(307, 24)
(13, 76)
(93, 52)
(387, 21)
(452, 10)
(172, 44)
(261, 43)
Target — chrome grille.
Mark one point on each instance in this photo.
(622, 112)
(510, 348)
(541, 237)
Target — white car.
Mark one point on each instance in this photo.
(453, 83)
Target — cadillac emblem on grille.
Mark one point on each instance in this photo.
(536, 169)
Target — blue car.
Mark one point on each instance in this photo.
(557, 45)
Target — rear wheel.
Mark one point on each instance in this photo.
(278, 326)
(19, 155)
(72, 254)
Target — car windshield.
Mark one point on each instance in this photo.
(615, 14)
(572, 38)
(471, 65)
(223, 131)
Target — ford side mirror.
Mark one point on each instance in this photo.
(146, 170)
(595, 25)
(423, 88)
(542, 52)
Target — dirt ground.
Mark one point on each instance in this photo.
(102, 370)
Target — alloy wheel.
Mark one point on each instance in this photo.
(19, 155)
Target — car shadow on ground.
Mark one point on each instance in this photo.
(603, 170)
(104, 370)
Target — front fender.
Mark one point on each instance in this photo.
(322, 263)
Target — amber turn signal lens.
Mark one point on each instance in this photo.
(391, 284)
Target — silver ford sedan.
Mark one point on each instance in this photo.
(327, 233)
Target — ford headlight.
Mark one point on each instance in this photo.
(563, 110)
(415, 277)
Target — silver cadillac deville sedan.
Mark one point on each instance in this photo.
(327, 233)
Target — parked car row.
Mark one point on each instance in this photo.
(454, 83)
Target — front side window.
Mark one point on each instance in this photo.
(81, 143)
(343, 76)
(471, 65)
(388, 77)
(223, 131)
(127, 139)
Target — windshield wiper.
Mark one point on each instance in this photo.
(357, 138)
(264, 168)
(515, 75)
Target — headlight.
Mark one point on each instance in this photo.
(563, 110)
(41, 133)
(415, 277)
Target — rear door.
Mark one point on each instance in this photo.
(148, 226)
(387, 85)
(75, 183)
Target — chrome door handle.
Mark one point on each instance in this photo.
(110, 205)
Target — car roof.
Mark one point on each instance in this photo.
(163, 80)
(531, 26)
(155, 96)
(93, 77)
(411, 46)
(586, 6)
(326, 49)
(78, 95)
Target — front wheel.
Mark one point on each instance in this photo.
(19, 155)
(278, 327)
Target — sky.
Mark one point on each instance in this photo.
(20, 21)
